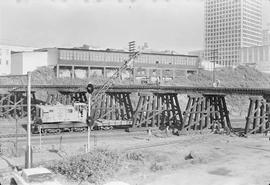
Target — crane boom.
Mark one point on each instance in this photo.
(97, 95)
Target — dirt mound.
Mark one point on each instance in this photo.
(239, 77)
(228, 77)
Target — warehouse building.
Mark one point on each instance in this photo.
(84, 63)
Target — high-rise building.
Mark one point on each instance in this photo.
(266, 37)
(229, 26)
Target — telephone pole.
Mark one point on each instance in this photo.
(214, 58)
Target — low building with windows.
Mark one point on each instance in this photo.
(83, 63)
(256, 56)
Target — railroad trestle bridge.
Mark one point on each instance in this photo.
(149, 106)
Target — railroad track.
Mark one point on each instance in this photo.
(152, 88)
(93, 133)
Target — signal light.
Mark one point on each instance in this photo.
(90, 88)
(90, 121)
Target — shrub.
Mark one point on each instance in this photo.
(93, 167)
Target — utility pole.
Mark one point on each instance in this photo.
(131, 49)
(90, 90)
(28, 150)
(89, 127)
(214, 56)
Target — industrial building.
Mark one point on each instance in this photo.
(83, 63)
(229, 26)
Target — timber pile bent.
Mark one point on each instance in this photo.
(152, 107)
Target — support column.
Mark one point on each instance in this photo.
(104, 72)
(89, 69)
(72, 72)
(57, 70)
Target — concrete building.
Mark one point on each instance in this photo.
(204, 64)
(22, 62)
(82, 63)
(256, 56)
(229, 26)
(266, 37)
(5, 56)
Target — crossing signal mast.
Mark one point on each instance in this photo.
(96, 96)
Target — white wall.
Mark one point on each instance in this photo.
(52, 56)
(209, 66)
(4, 61)
(33, 60)
(23, 62)
(5, 56)
(16, 67)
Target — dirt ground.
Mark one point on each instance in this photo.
(217, 160)
(181, 160)
(193, 159)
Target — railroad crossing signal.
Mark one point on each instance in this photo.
(90, 88)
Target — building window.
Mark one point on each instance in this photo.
(6, 62)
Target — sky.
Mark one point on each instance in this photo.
(164, 24)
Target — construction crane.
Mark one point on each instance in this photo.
(98, 94)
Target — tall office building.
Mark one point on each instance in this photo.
(229, 26)
(266, 37)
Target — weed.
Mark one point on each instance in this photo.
(135, 156)
(156, 167)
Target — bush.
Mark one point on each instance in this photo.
(93, 167)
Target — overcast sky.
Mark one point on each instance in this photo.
(163, 24)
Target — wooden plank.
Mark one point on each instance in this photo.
(136, 114)
(250, 112)
(186, 113)
(190, 119)
(178, 109)
(256, 113)
(130, 106)
(154, 110)
(227, 116)
(143, 109)
(159, 108)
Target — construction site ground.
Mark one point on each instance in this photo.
(205, 159)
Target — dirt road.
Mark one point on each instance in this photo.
(222, 161)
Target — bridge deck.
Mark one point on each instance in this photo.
(153, 88)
